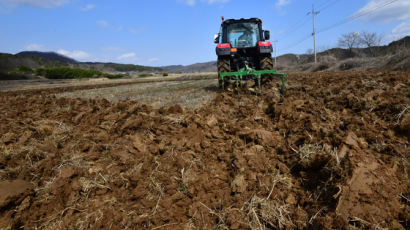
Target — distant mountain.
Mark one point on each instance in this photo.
(36, 59)
(194, 68)
(48, 56)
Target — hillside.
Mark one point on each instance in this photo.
(396, 55)
(51, 56)
(194, 68)
(35, 59)
(10, 62)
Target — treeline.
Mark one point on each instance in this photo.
(130, 67)
(68, 73)
(360, 39)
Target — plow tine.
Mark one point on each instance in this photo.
(250, 72)
(237, 82)
(259, 84)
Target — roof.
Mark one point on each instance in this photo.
(231, 21)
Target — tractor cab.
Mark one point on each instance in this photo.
(242, 33)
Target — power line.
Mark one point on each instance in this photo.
(344, 21)
(296, 43)
(291, 29)
(355, 17)
(313, 13)
(324, 3)
(295, 27)
(327, 5)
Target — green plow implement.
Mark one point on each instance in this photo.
(251, 72)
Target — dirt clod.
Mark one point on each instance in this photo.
(332, 154)
(13, 192)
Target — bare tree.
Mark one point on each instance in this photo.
(350, 40)
(369, 39)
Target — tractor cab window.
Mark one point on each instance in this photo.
(242, 35)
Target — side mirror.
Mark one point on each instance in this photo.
(216, 38)
(266, 34)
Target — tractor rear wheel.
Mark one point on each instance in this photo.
(224, 66)
(266, 63)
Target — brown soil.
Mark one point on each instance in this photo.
(332, 154)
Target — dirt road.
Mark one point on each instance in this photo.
(332, 154)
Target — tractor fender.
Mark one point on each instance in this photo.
(223, 49)
(265, 47)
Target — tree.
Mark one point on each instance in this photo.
(368, 39)
(350, 40)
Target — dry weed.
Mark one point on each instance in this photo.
(401, 114)
(43, 192)
(263, 213)
(88, 184)
(307, 152)
(221, 217)
(358, 223)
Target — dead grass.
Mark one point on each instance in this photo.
(263, 213)
(175, 119)
(98, 181)
(358, 223)
(310, 152)
(307, 151)
(44, 192)
(190, 94)
(221, 217)
(399, 116)
(156, 188)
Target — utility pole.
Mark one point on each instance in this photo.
(274, 42)
(314, 29)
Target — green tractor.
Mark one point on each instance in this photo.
(244, 53)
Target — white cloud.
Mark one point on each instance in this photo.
(380, 10)
(103, 23)
(130, 57)
(193, 2)
(36, 47)
(400, 31)
(35, 3)
(153, 59)
(76, 54)
(280, 3)
(88, 7)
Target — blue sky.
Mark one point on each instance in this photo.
(168, 32)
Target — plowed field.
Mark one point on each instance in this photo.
(332, 154)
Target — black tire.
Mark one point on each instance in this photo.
(266, 63)
(224, 66)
